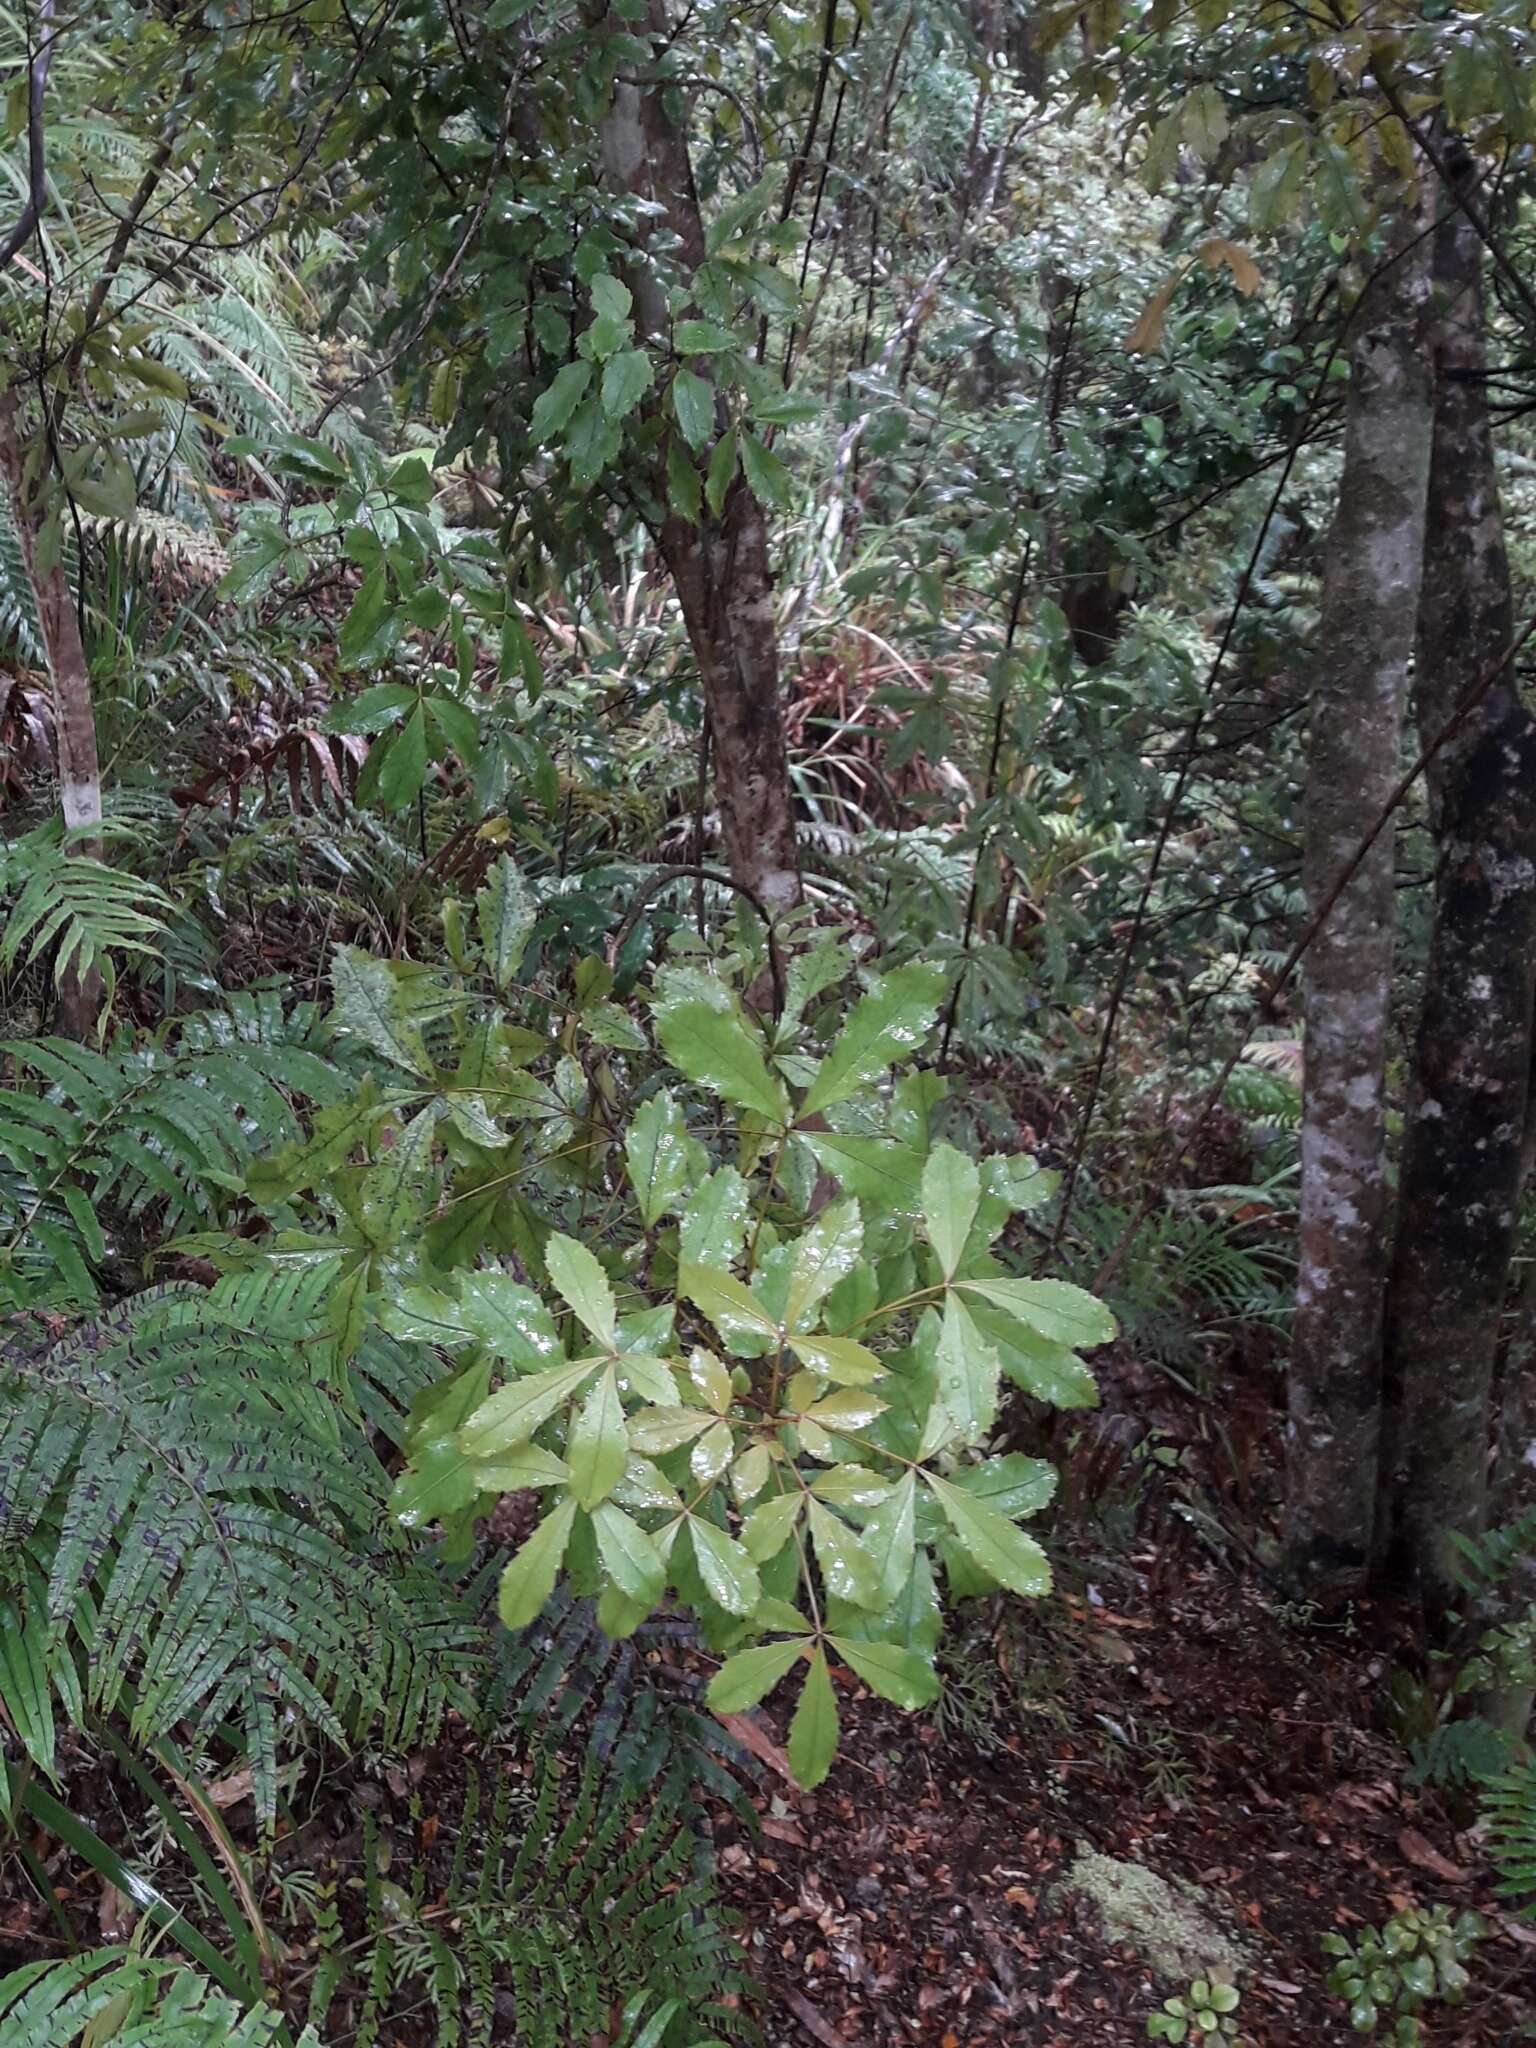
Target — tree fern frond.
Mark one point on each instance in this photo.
(101, 1141)
(199, 1515)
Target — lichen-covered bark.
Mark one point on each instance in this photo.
(1461, 1166)
(1370, 599)
(78, 996)
(719, 565)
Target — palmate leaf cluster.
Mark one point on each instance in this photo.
(715, 1290)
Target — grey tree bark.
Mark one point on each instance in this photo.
(1365, 639)
(78, 997)
(1461, 1169)
(719, 564)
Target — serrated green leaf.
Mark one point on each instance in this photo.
(553, 407)
(728, 1302)
(514, 1412)
(813, 1731)
(890, 1536)
(628, 1555)
(1013, 1485)
(722, 467)
(661, 1157)
(1004, 1552)
(504, 914)
(626, 379)
(583, 1286)
(887, 1024)
(967, 1369)
(714, 1047)
(824, 1255)
(693, 401)
(372, 1002)
(751, 1675)
(951, 1192)
(701, 338)
(529, 1579)
(839, 1359)
(768, 1528)
(713, 1225)
(847, 1569)
(729, 1575)
(904, 1677)
(765, 473)
(598, 1448)
(1061, 1313)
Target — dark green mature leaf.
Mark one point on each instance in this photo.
(902, 1676)
(693, 400)
(554, 406)
(751, 1675)
(504, 912)
(529, 1579)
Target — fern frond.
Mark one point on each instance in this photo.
(131, 2001)
(104, 1143)
(1509, 1808)
(199, 1515)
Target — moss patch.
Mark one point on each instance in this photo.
(1179, 1929)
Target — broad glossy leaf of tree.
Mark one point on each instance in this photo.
(713, 1225)
(823, 1255)
(968, 1371)
(840, 1359)
(373, 1003)
(728, 1572)
(714, 1047)
(514, 1412)
(598, 1448)
(900, 1675)
(660, 1156)
(889, 1538)
(847, 1569)
(583, 1286)
(1060, 1312)
(951, 1191)
(628, 1555)
(504, 913)
(728, 1302)
(768, 1528)
(1012, 1485)
(553, 407)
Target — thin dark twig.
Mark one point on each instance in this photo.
(687, 870)
(1181, 780)
(37, 164)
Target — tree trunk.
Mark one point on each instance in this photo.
(719, 564)
(1461, 1167)
(78, 996)
(1365, 638)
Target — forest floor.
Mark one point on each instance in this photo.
(918, 1895)
(1165, 1708)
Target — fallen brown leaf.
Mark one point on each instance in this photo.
(1426, 1856)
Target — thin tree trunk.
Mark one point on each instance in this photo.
(78, 996)
(1365, 638)
(1461, 1167)
(719, 564)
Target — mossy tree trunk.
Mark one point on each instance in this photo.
(1461, 1169)
(1365, 639)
